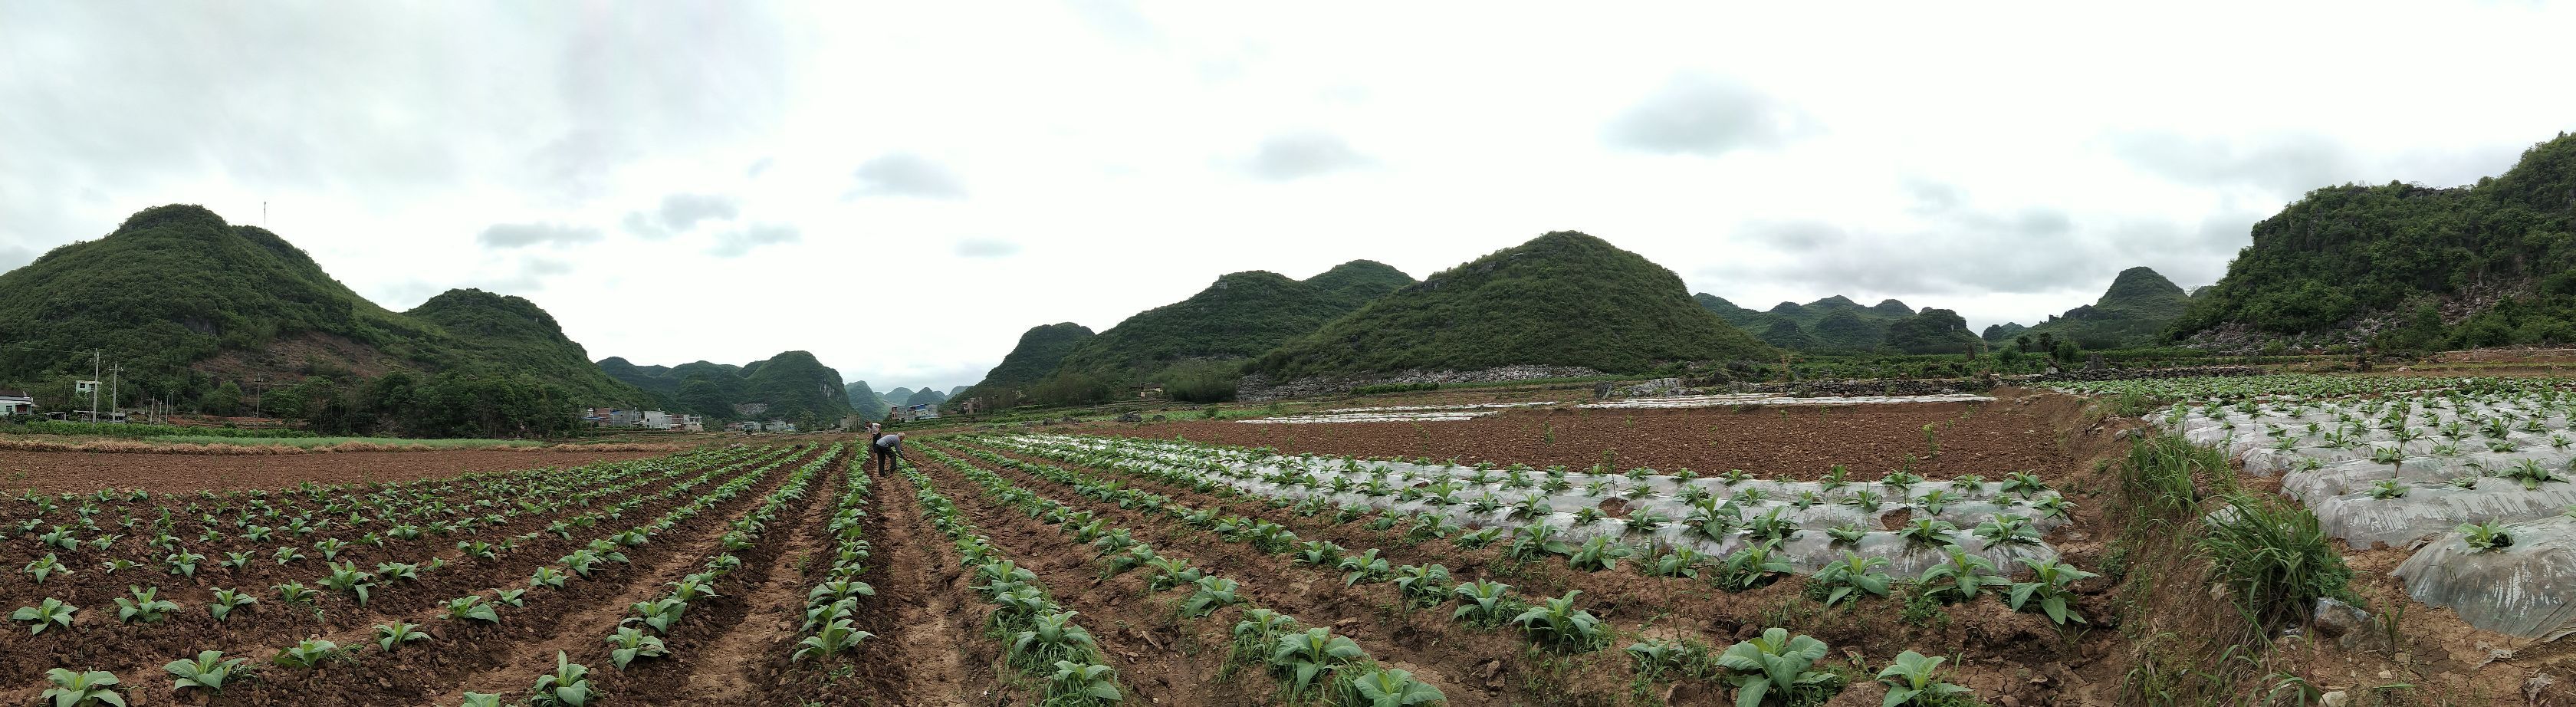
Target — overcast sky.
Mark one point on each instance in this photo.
(902, 188)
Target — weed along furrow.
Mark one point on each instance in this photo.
(1398, 615)
(605, 650)
(346, 601)
(1056, 659)
(404, 657)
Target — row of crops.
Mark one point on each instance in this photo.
(364, 592)
(1809, 525)
(2471, 475)
(1094, 493)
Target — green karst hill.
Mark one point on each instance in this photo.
(791, 386)
(2134, 311)
(1195, 347)
(213, 313)
(2413, 267)
(1039, 351)
(1564, 299)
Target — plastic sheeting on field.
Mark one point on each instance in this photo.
(2407, 471)
(1401, 413)
(1809, 548)
(1702, 401)
(2525, 589)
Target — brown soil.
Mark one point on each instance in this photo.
(454, 651)
(923, 617)
(163, 473)
(1989, 439)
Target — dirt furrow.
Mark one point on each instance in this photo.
(1472, 667)
(351, 627)
(923, 618)
(1157, 656)
(761, 622)
(511, 669)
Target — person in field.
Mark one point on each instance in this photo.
(887, 447)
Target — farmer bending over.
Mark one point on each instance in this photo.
(887, 447)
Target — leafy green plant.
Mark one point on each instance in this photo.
(1599, 554)
(831, 639)
(1556, 623)
(72, 689)
(1927, 532)
(53, 612)
(1852, 577)
(1053, 636)
(1754, 566)
(1484, 603)
(46, 566)
(2388, 489)
(630, 643)
(391, 636)
(307, 653)
(208, 672)
(1915, 680)
(146, 606)
(1213, 593)
(1300, 657)
(1422, 585)
(1776, 664)
(1082, 683)
(1963, 577)
(2052, 583)
(2486, 536)
(1390, 687)
(567, 686)
(471, 606)
(346, 577)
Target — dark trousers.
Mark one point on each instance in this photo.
(885, 459)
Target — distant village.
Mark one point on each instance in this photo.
(614, 418)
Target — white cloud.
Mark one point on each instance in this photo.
(735, 244)
(1703, 115)
(520, 235)
(1304, 154)
(986, 248)
(906, 174)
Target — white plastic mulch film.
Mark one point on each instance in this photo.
(1707, 401)
(1403, 413)
(1806, 510)
(2408, 469)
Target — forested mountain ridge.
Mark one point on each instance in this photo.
(791, 386)
(217, 315)
(2410, 267)
(2134, 311)
(1561, 299)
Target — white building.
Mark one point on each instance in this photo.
(16, 402)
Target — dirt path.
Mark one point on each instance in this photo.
(1136, 636)
(925, 634)
(727, 669)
